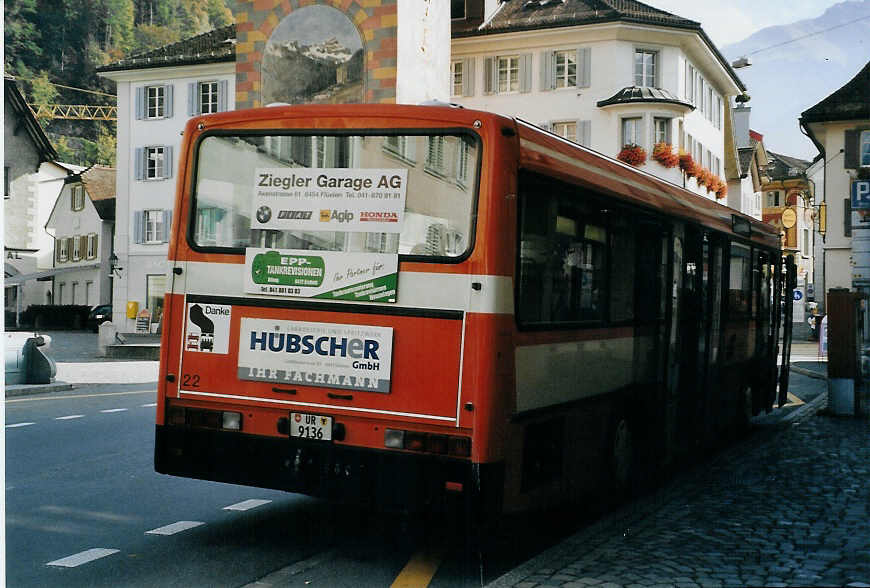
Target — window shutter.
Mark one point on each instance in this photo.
(57, 247)
(850, 157)
(468, 77)
(526, 72)
(191, 99)
(69, 248)
(140, 103)
(167, 161)
(139, 163)
(170, 103)
(489, 75)
(96, 246)
(167, 225)
(138, 226)
(72, 198)
(223, 95)
(83, 247)
(584, 67)
(847, 217)
(584, 132)
(547, 72)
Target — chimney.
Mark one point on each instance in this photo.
(741, 125)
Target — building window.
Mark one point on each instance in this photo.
(208, 97)
(155, 106)
(565, 69)
(631, 131)
(805, 250)
(462, 164)
(435, 156)
(773, 198)
(708, 104)
(690, 83)
(154, 163)
(566, 129)
(508, 74)
(645, 67)
(864, 148)
(92, 246)
(717, 166)
(60, 293)
(155, 290)
(662, 130)
(78, 197)
(153, 226)
(76, 248)
(400, 146)
(456, 76)
(63, 249)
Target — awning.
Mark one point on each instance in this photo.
(50, 273)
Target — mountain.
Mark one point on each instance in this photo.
(794, 66)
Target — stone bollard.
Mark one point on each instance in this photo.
(38, 367)
(105, 337)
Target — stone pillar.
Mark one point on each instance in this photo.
(423, 60)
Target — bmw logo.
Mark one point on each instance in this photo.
(264, 213)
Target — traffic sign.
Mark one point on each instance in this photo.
(797, 295)
(860, 194)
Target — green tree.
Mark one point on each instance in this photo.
(20, 36)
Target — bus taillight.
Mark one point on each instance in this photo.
(427, 442)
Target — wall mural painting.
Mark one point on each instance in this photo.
(314, 56)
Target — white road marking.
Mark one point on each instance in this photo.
(19, 425)
(247, 504)
(174, 528)
(82, 558)
(114, 410)
(72, 416)
(149, 405)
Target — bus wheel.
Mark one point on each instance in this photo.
(622, 455)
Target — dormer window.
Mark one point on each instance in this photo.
(645, 67)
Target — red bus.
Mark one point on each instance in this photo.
(403, 304)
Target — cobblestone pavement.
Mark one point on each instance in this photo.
(789, 506)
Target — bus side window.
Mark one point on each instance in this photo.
(622, 268)
(740, 280)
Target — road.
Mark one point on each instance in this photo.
(85, 508)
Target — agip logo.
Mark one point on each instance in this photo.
(341, 216)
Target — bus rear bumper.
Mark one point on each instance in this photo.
(390, 480)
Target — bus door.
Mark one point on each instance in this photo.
(714, 417)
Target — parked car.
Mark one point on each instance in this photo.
(99, 315)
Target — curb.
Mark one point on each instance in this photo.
(806, 372)
(33, 389)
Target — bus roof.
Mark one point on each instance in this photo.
(540, 151)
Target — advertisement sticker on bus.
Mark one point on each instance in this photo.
(329, 199)
(332, 275)
(208, 328)
(349, 357)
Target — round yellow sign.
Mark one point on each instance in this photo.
(789, 218)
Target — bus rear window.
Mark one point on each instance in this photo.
(440, 188)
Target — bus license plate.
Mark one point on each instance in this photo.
(311, 426)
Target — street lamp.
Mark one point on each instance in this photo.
(113, 265)
(741, 62)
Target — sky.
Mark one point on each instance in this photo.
(730, 21)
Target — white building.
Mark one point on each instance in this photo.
(621, 73)
(157, 92)
(82, 224)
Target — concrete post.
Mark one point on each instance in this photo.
(105, 337)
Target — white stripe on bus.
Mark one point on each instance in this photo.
(415, 289)
(315, 405)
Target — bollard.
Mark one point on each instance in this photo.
(38, 367)
(106, 336)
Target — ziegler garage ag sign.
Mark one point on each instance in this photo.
(349, 357)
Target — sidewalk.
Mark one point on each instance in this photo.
(789, 506)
